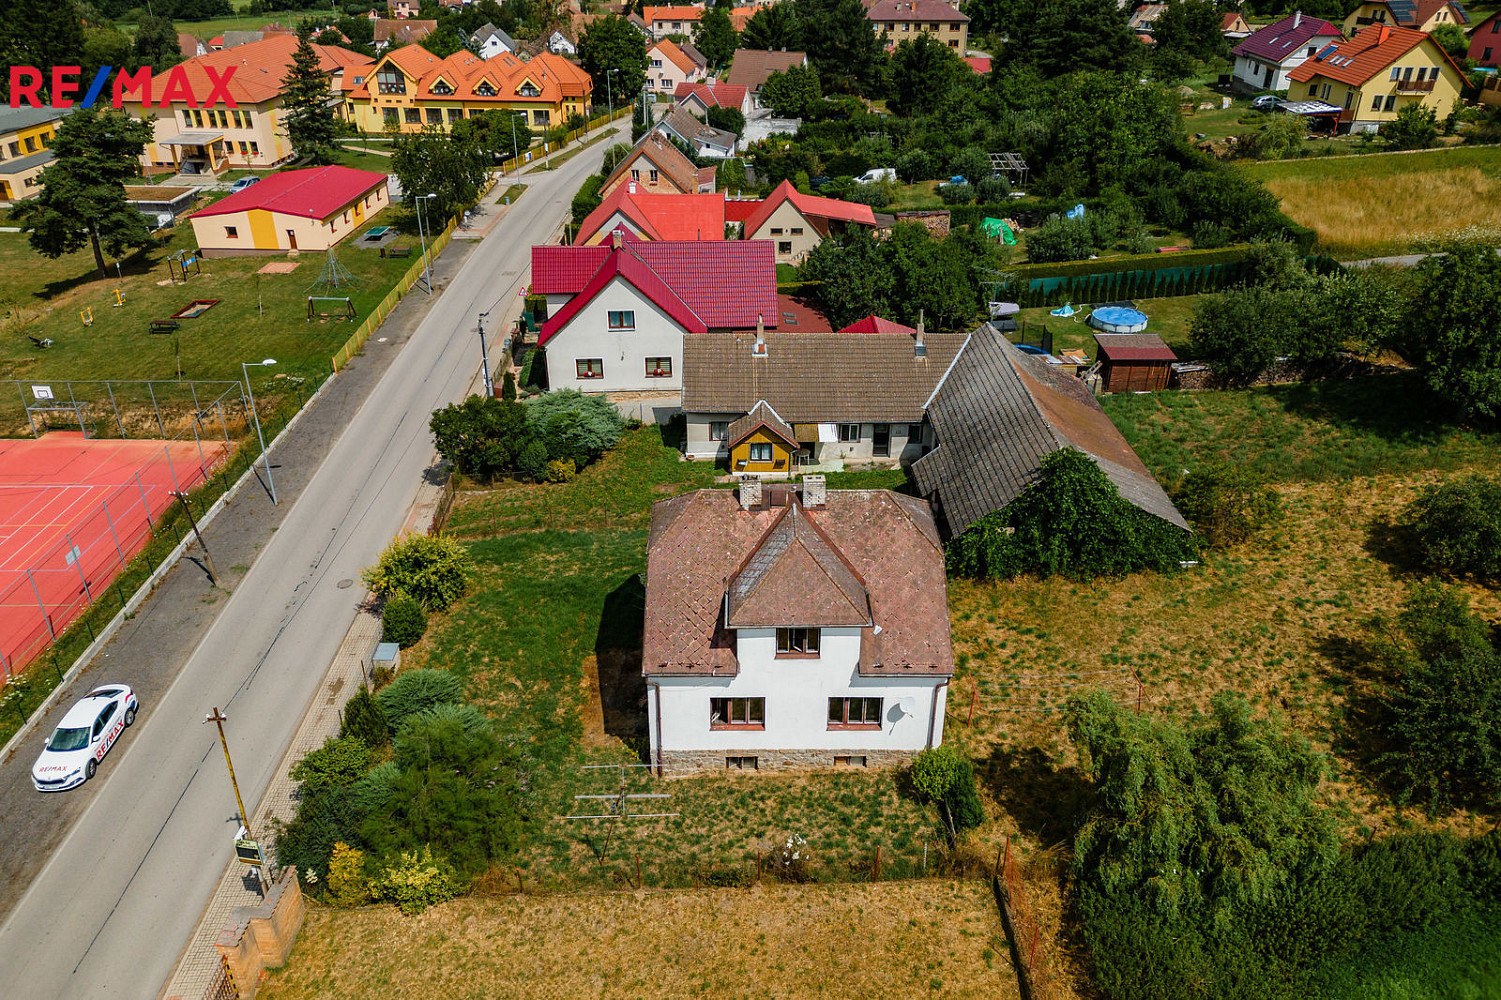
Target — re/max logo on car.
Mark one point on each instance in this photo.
(26, 85)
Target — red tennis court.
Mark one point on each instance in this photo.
(73, 512)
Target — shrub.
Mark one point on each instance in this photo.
(915, 165)
(723, 878)
(431, 568)
(1060, 238)
(532, 462)
(508, 386)
(416, 691)
(471, 819)
(417, 880)
(944, 776)
(877, 195)
(481, 436)
(790, 861)
(1210, 235)
(1225, 503)
(992, 190)
(347, 885)
(1458, 525)
(452, 735)
(956, 194)
(560, 470)
(338, 762)
(370, 794)
(587, 199)
(613, 155)
(322, 821)
(402, 620)
(365, 720)
(971, 163)
(575, 426)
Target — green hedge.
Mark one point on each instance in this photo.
(1132, 262)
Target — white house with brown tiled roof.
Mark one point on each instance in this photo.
(793, 627)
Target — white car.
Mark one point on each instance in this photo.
(85, 735)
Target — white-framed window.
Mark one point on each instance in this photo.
(621, 319)
(589, 367)
(719, 430)
(849, 433)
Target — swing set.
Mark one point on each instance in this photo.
(339, 308)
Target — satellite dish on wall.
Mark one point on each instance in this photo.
(908, 705)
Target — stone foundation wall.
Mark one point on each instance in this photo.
(677, 763)
(260, 937)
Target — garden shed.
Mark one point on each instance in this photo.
(1133, 362)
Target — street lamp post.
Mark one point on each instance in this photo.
(609, 94)
(484, 358)
(516, 144)
(427, 271)
(246, 366)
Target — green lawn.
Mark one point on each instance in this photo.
(356, 156)
(1168, 317)
(559, 596)
(1307, 431)
(242, 21)
(258, 315)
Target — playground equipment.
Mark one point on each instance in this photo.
(87, 315)
(183, 264)
(343, 308)
(119, 298)
(195, 308)
(334, 277)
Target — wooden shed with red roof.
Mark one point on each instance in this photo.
(294, 210)
(1134, 362)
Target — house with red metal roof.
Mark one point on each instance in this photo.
(294, 210)
(647, 215)
(1265, 60)
(797, 222)
(618, 311)
(189, 137)
(1485, 42)
(1419, 15)
(698, 98)
(1377, 73)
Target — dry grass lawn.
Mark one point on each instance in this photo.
(892, 940)
(1377, 205)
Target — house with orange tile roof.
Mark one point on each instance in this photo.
(191, 138)
(1419, 15)
(798, 222)
(655, 164)
(1377, 73)
(664, 21)
(670, 65)
(410, 89)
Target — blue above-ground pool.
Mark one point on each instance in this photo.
(1118, 319)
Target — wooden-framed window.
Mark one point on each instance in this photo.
(776, 232)
(435, 116)
(784, 246)
(590, 367)
(760, 451)
(413, 116)
(741, 764)
(854, 713)
(719, 430)
(454, 114)
(737, 713)
(659, 367)
(390, 115)
(849, 433)
(390, 80)
(231, 232)
(798, 641)
(541, 117)
(621, 319)
(797, 230)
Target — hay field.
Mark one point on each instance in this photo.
(890, 940)
(1378, 205)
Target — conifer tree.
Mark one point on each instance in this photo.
(306, 112)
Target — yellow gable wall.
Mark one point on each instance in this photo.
(1442, 98)
(781, 454)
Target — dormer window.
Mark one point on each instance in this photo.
(485, 89)
(528, 89)
(441, 87)
(797, 641)
(390, 81)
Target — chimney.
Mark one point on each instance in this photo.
(919, 349)
(631, 187)
(759, 350)
(1297, 18)
(616, 239)
(750, 493)
(1383, 33)
(815, 492)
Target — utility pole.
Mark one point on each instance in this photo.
(218, 718)
(484, 358)
(213, 574)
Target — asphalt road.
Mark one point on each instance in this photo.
(107, 914)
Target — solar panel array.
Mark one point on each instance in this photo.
(1403, 10)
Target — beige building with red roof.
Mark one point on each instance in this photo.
(904, 20)
(670, 65)
(664, 21)
(194, 138)
(794, 627)
(299, 210)
(1375, 74)
(798, 222)
(410, 88)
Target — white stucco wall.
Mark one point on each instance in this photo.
(624, 352)
(797, 693)
(1252, 72)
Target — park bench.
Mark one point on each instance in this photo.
(398, 251)
(164, 325)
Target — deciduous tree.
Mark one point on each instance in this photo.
(715, 36)
(1453, 329)
(795, 93)
(614, 43)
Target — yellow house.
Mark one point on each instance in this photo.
(409, 89)
(25, 134)
(294, 210)
(904, 20)
(1420, 15)
(1375, 74)
(196, 139)
(761, 442)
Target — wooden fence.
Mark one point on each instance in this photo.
(397, 293)
(531, 156)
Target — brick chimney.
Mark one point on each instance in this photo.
(750, 493)
(815, 491)
(1297, 18)
(919, 349)
(759, 350)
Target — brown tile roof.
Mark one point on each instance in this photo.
(405, 30)
(752, 67)
(667, 158)
(817, 377)
(794, 576)
(997, 412)
(872, 541)
(760, 415)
